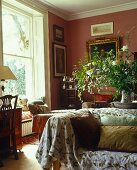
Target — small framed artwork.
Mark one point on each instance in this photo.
(58, 33)
(102, 29)
(59, 53)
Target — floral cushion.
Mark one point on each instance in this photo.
(42, 108)
(116, 116)
(108, 119)
(38, 107)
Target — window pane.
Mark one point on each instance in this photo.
(21, 68)
(17, 50)
(23, 50)
(16, 29)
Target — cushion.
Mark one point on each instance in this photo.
(87, 130)
(127, 120)
(43, 108)
(26, 115)
(22, 102)
(37, 107)
(40, 102)
(118, 138)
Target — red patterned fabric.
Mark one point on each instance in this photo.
(39, 122)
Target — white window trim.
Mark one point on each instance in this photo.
(38, 7)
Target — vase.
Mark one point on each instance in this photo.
(126, 97)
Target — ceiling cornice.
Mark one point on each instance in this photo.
(101, 11)
(34, 4)
(50, 8)
(58, 13)
(112, 9)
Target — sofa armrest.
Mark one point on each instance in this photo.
(39, 122)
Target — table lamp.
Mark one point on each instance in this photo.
(6, 74)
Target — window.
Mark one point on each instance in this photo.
(23, 50)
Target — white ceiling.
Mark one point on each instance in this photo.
(73, 9)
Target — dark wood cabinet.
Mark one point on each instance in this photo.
(68, 95)
(5, 141)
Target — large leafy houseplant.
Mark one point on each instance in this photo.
(115, 71)
(80, 75)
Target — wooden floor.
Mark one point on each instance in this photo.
(27, 160)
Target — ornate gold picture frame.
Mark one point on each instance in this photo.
(105, 44)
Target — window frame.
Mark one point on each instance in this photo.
(39, 8)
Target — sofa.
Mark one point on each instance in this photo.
(30, 111)
(90, 139)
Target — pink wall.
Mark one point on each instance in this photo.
(77, 32)
(55, 81)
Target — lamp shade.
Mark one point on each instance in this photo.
(6, 73)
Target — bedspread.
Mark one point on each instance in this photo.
(58, 143)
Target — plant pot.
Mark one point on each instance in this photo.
(126, 97)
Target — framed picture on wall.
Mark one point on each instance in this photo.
(59, 55)
(58, 33)
(103, 45)
(102, 29)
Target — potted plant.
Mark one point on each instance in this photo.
(119, 72)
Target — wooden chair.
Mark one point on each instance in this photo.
(7, 124)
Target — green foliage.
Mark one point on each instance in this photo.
(18, 86)
(123, 75)
(100, 68)
(115, 71)
(79, 74)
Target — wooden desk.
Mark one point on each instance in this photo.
(5, 141)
